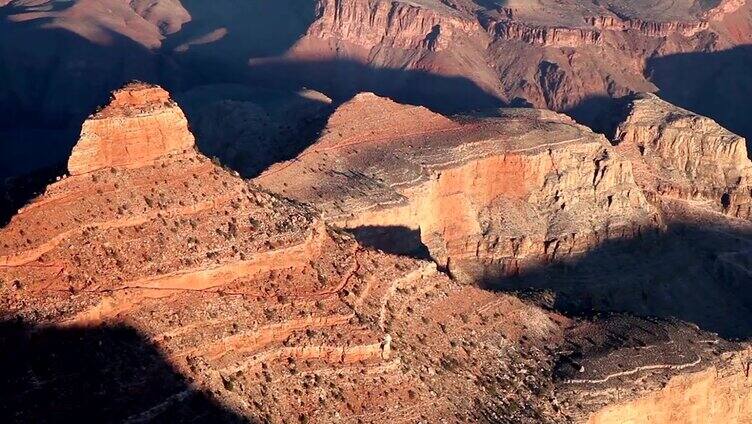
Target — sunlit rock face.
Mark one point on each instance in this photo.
(487, 196)
(140, 125)
(569, 56)
(154, 258)
(681, 154)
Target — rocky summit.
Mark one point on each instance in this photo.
(681, 154)
(139, 126)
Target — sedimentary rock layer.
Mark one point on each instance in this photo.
(140, 125)
(250, 297)
(189, 294)
(396, 24)
(679, 153)
(485, 195)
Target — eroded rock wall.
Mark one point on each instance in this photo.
(487, 196)
(140, 125)
(395, 24)
(682, 154)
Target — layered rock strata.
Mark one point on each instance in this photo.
(681, 154)
(171, 290)
(254, 300)
(139, 126)
(394, 24)
(485, 195)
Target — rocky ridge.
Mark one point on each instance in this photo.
(261, 305)
(681, 154)
(454, 56)
(561, 188)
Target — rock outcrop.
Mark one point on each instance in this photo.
(681, 154)
(486, 196)
(647, 28)
(140, 125)
(392, 24)
(250, 297)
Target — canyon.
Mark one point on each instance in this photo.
(375, 210)
(452, 56)
(255, 297)
(253, 306)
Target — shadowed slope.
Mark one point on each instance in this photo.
(106, 374)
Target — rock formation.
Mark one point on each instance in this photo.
(570, 56)
(253, 298)
(680, 154)
(712, 395)
(393, 24)
(154, 285)
(487, 196)
(140, 125)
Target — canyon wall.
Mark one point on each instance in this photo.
(204, 283)
(487, 196)
(256, 299)
(679, 153)
(391, 24)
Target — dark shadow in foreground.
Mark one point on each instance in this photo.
(701, 275)
(394, 239)
(102, 374)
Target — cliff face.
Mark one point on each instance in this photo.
(391, 24)
(487, 197)
(681, 154)
(257, 300)
(647, 28)
(561, 37)
(591, 32)
(570, 56)
(682, 381)
(114, 136)
(598, 51)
